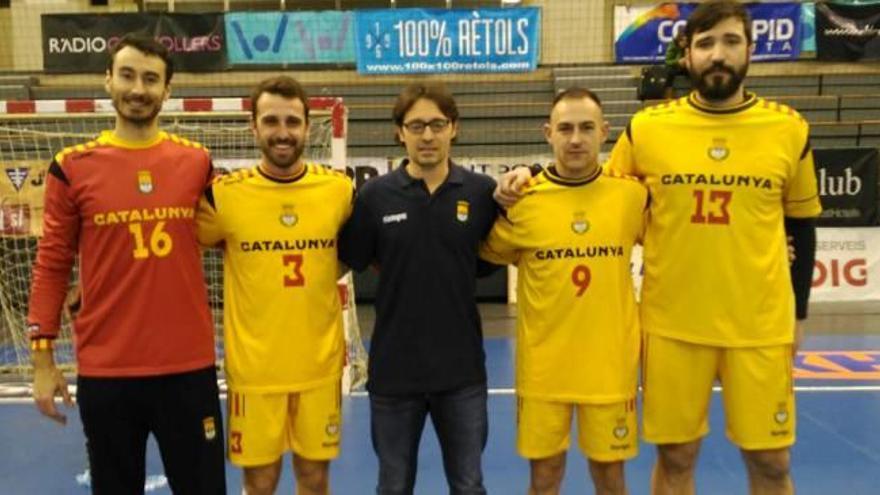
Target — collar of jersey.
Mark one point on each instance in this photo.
(749, 102)
(282, 180)
(112, 139)
(554, 177)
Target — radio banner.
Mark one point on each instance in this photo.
(80, 42)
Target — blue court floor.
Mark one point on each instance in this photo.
(838, 448)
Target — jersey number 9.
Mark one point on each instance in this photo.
(581, 277)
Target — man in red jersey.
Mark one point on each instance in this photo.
(124, 204)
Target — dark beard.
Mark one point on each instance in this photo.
(294, 157)
(712, 90)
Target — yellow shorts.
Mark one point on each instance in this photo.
(757, 389)
(263, 426)
(606, 432)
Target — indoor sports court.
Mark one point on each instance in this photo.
(504, 61)
(837, 391)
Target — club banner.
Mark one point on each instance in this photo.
(80, 42)
(300, 38)
(21, 197)
(642, 33)
(411, 41)
(847, 32)
(847, 265)
(848, 186)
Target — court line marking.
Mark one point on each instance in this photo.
(511, 391)
(805, 415)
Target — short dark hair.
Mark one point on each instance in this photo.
(575, 93)
(145, 44)
(433, 91)
(708, 14)
(285, 86)
(436, 92)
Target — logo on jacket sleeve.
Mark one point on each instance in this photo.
(462, 210)
(145, 181)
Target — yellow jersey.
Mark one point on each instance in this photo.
(282, 314)
(721, 182)
(577, 326)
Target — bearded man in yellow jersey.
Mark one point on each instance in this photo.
(729, 175)
(571, 237)
(283, 332)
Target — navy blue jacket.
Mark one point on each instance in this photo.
(428, 336)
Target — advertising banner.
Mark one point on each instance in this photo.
(848, 186)
(847, 265)
(411, 41)
(290, 38)
(808, 27)
(22, 185)
(641, 34)
(847, 32)
(80, 42)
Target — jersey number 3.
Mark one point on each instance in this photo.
(295, 278)
(714, 210)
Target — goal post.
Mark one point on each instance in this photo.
(31, 132)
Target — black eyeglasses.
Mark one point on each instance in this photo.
(419, 126)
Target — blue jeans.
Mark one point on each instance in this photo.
(460, 419)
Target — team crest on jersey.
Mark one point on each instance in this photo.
(620, 432)
(288, 217)
(462, 211)
(210, 428)
(579, 224)
(17, 176)
(719, 150)
(781, 415)
(145, 181)
(332, 429)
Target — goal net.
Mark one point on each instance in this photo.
(32, 132)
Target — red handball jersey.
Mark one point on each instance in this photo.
(127, 209)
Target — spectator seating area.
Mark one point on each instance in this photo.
(504, 118)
